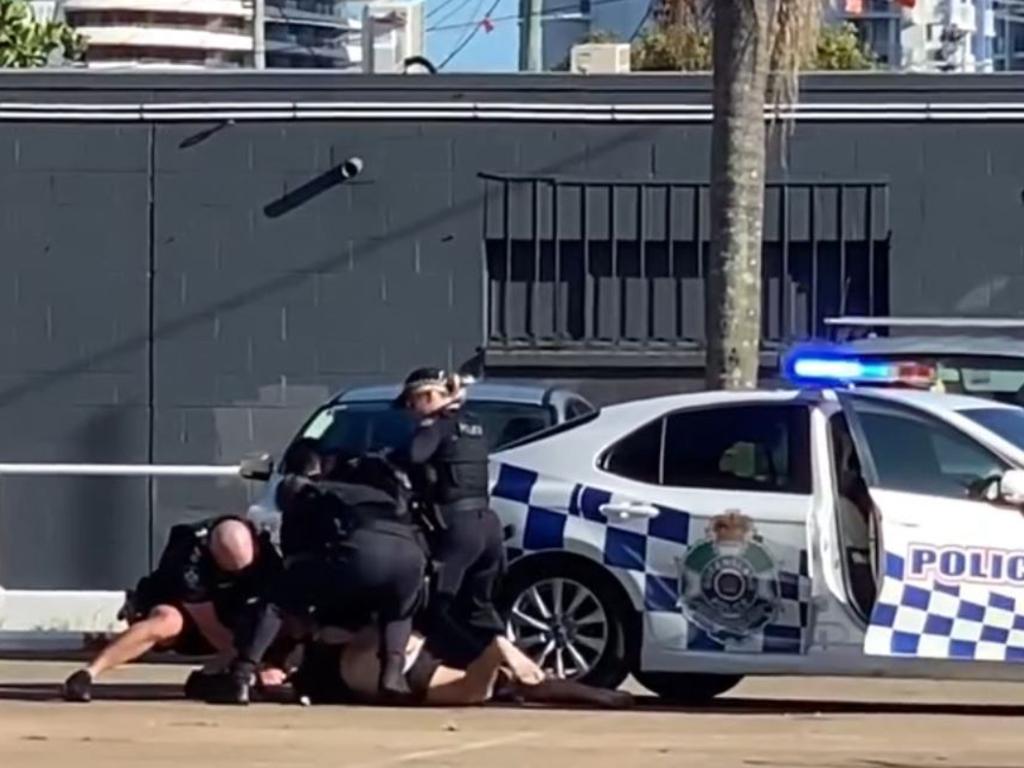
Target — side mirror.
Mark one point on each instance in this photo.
(1011, 487)
(259, 467)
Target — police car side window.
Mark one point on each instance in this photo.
(574, 408)
(918, 454)
(742, 448)
(638, 455)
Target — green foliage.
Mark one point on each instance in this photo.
(26, 42)
(840, 48)
(687, 48)
(675, 48)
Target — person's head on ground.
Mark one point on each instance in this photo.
(232, 545)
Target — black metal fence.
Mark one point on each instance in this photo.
(580, 264)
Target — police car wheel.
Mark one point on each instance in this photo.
(682, 688)
(568, 619)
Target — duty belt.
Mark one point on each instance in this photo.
(465, 505)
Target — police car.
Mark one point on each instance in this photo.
(829, 529)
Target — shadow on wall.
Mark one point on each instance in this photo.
(1000, 295)
(279, 282)
(91, 532)
(108, 518)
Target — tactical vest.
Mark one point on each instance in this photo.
(460, 462)
(320, 516)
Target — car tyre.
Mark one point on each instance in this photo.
(596, 628)
(686, 688)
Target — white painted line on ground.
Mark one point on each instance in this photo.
(455, 749)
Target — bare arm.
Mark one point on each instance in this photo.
(205, 618)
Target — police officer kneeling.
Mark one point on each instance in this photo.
(448, 458)
(352, 552)
(210, 574)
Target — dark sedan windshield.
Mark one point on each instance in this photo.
(1008, 423)
(357, 427)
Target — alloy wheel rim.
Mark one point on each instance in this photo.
(561, 625)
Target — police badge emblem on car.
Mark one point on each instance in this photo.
(728, 581)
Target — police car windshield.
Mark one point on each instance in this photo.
(369, 426)
(1008, 423)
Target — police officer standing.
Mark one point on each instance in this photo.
(448, 458)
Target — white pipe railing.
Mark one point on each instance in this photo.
(122, 470)
(990, 323)
(46, 620)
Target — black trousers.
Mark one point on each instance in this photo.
(469, 553)
(373, 573)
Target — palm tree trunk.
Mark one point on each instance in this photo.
(733, 288)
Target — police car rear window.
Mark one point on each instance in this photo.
(558, 429)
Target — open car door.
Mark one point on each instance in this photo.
(951, 563)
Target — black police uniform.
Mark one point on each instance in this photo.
(188, 573)
(467, 545)
(352, 553)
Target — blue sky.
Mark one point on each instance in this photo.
(449, 22)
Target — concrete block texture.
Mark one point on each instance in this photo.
(187, 291)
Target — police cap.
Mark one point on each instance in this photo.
(422, 380)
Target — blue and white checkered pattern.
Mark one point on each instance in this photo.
(943, 621)
(647, 552)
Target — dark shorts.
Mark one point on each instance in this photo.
(320, 675)
(421, 673)
(191, 641)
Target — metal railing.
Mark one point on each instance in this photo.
(596, 263)
(45, 620)
(122, 470)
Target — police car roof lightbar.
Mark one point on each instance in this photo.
(834, 369)
(854, 321)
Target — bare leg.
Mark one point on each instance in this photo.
(163, 624)
(453, 687)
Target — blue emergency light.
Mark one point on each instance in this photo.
(816, 367)
(837, 369)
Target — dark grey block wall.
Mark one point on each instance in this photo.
(186, 290)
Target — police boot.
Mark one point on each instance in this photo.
(197, 685)
(391, 685)
(78, 687)
(233, 687)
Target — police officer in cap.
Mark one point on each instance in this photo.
(448, 456)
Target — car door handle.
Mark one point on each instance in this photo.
(629, 511)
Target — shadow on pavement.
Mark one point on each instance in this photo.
(810, 708)
(815, 707)
(100, 692)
